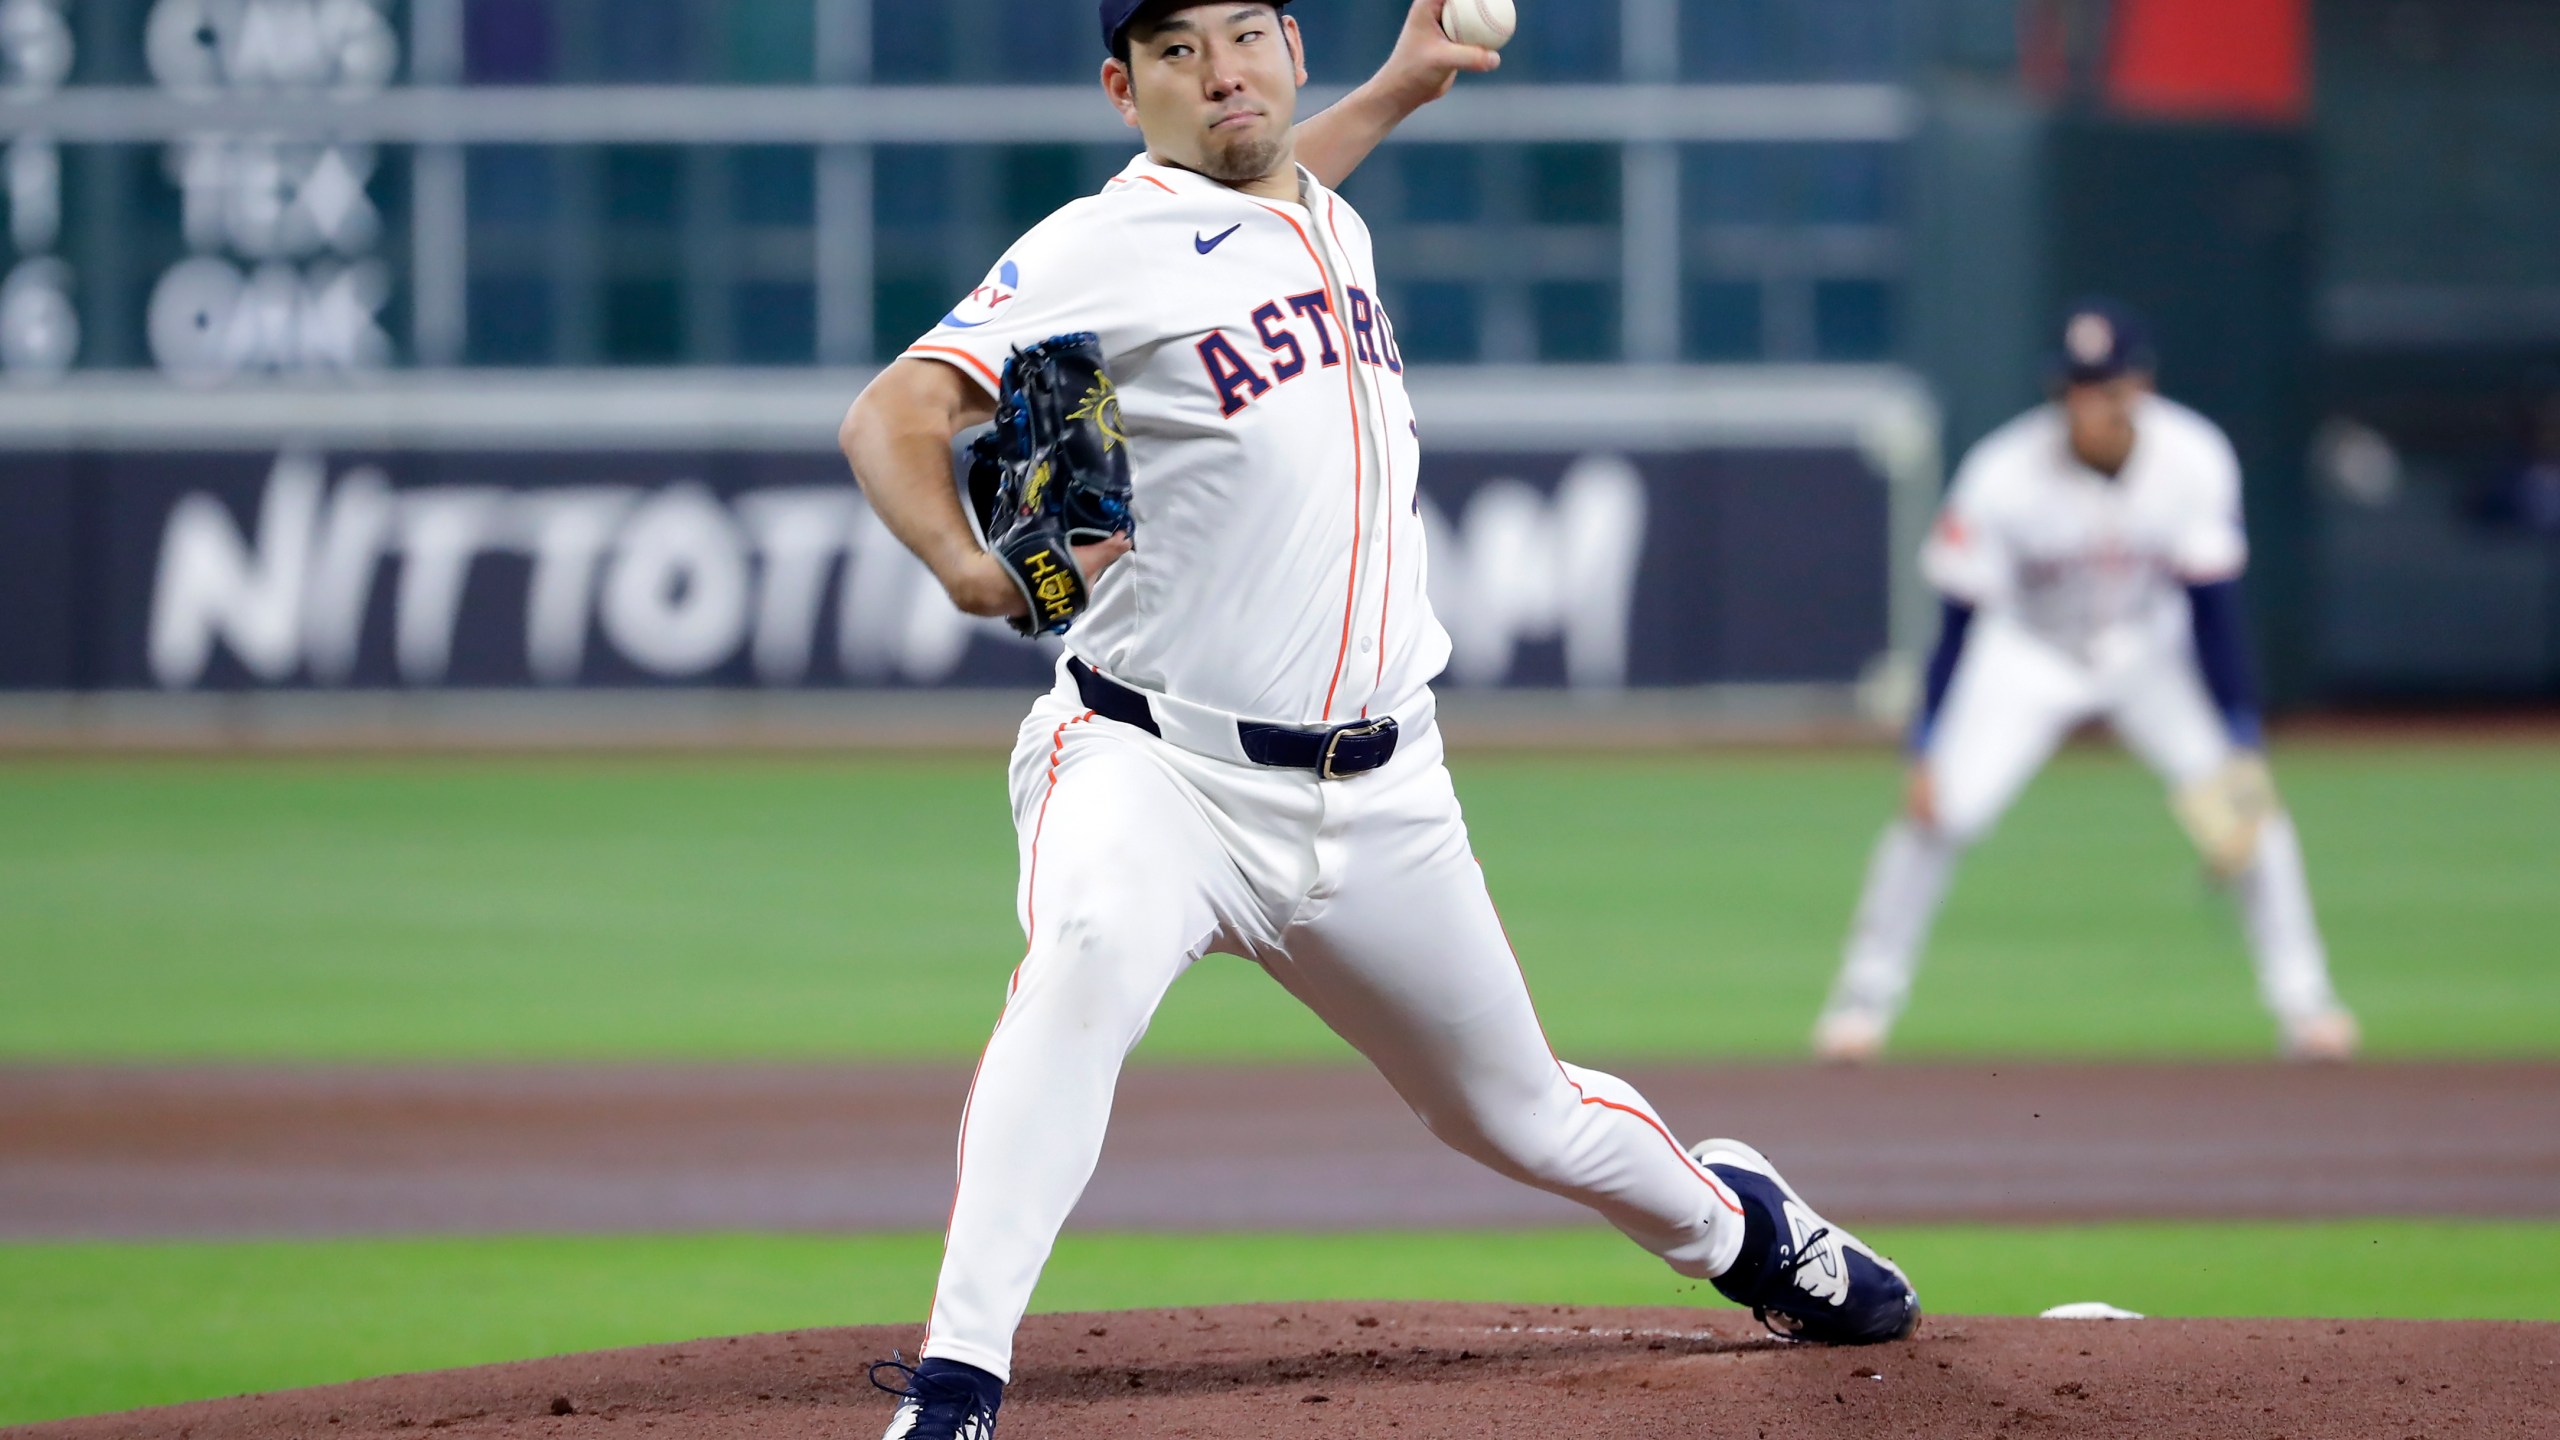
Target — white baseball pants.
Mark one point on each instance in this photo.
(1362, 898)
(2013, 701)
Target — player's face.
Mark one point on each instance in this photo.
(2101, 419)
(1214, 88)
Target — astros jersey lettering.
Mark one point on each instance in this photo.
(1280, 568)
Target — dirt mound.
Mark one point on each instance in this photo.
(1471, 1372)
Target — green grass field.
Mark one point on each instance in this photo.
(86, 1328)
(1665, 908)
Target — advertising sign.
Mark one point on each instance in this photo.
(695, 531)
(348, 568)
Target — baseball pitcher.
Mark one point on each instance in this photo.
(2089, 561)
(1202, 472)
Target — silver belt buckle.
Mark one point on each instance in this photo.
(1365, 730)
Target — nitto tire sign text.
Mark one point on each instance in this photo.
(671, 582)
(306, 569)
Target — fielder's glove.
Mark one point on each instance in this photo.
(2224, 813)
(1052, 474)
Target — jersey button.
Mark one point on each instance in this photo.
(1365, 644)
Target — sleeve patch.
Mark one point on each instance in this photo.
(984, 304)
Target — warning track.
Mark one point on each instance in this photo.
(91, 1152)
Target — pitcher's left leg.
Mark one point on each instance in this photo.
(1400, 951)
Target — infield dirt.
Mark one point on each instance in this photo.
(1452, 1372)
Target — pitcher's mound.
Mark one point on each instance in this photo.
(1473, 1372)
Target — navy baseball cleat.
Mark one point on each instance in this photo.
(941, 1400)
(1802, 1276)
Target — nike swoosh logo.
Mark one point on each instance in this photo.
(1205, 246)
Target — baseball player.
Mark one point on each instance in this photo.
(1239, 755)
(2089, 560)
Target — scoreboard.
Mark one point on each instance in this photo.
(224, 189)
(203, 252)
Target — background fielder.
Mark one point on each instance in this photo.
(2089, 559)
(1240, 755)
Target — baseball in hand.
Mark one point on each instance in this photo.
(1488, 23)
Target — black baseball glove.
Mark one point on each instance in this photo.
(1051, 474)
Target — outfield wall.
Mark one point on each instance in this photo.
(1600, 533)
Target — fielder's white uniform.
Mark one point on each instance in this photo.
(1279, 576)
(2078, 585)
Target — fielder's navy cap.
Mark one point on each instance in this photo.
(1116, 15)
(2101, 340)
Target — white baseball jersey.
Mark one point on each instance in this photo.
(1279, 572)
(2093, 565)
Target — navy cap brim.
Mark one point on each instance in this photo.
(2075, 374)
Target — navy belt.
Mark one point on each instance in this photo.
(1333, 752)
